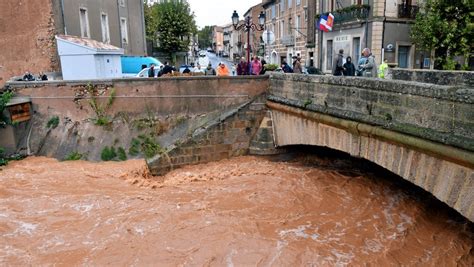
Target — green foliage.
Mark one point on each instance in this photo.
(271, 67)
(171, 22)
(146, 145)
(53, 122)
(447, 27)
(74, 156)
(108, 153)
(100, 110)
(3, 160)
(134, 149)
(122, 155)
(4, 99)
(205, 37)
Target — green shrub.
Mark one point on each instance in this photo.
(3, 161)
(74, 156)
(108, 153)
(149, 146)
(271, 67)
(122, 155)
(53, 122)
(134, 149)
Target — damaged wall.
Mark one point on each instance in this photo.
(27, 38)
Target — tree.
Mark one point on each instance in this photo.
(445, 28)
(205, 37)
(171, 23)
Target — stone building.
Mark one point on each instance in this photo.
(288, 20)
(28, 29)
(256, 47)
(217, 39)
(381, 25)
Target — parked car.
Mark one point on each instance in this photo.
(225, 54)
(202, 53)
(132, 65)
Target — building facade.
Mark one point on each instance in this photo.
(381, 25)
(288, 20)
(116, 22)
(218, 39)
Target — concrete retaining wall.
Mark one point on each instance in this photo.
(163, 109)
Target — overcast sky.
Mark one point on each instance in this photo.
(219, 12)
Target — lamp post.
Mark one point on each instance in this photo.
(247, 26)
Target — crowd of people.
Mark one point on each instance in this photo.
(28, 77)
(366, 66)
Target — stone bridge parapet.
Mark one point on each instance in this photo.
(422, 132)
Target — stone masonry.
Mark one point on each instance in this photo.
(227, 136)
(27, 44)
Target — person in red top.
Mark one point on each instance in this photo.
(256, 66)
(242, 68)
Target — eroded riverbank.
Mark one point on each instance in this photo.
(242, 211)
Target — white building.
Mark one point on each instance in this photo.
(85, 59)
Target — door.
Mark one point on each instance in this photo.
(403, 56)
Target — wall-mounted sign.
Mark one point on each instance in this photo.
(389, 48)
(342, 38)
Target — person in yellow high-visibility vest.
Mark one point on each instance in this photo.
(383, 69)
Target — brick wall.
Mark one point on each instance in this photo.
(27, 38)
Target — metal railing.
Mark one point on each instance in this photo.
(407, 11)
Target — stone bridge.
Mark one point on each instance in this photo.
(422, 132)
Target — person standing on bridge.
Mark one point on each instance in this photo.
(255, 66)
(209, 71)
(222, 70)
(243, 67)
(370, 67)
(337, 66)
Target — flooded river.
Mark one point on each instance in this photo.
(245, 211)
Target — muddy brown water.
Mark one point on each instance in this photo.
(246, 211)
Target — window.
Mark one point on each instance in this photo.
(356, 50)
(289, 4)
(329, 55)
(84, 22)
(123, 30)
(273, 11)
(282, 6)
(297, 25)
(305, 13)
(282, 27)
(298, 2)
(104, 22)
(122, 3)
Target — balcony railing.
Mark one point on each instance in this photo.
(350, 13)
(288, 40)
(407, 11)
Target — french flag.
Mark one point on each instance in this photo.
(325, 22)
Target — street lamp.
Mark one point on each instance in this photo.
(247, 26)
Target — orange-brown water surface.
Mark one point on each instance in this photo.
(245, 211)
